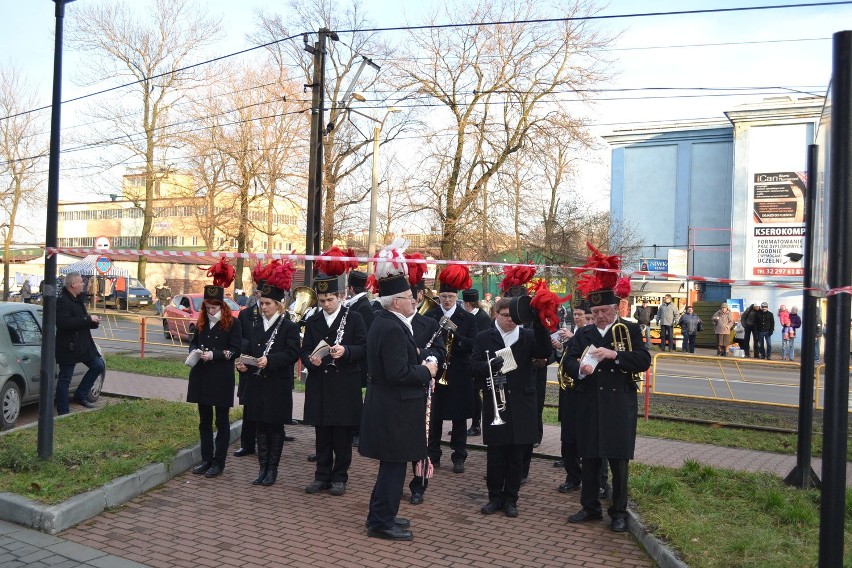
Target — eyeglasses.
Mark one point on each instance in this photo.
(505, 315)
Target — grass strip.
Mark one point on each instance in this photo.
(719, 518)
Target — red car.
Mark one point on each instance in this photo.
(180, 315)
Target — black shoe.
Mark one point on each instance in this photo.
(602, 493)
(396, 533)
(474, 431)
(214, 471)
(537, 444)
(583, 516)
(524, 480)
(312, 458)
(243, 452)
(317, 486)
(338, 488)
(491, 507)
(289, 438)
(356, 440)
(400, 522)
(510, 509)
(202, 467)
(559, 463)
(618, 524)
(84, 403)
(458, 467)
(416, 499)
(569, 486)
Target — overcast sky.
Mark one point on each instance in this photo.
(789, 48)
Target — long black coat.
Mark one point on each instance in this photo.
(211, 383)
(455, 401)
(393, 426)
(333, 398)
(248, 317)
(606, 400)
(368, 314)
(424, 329)
(74, 343)
(521, 413)
(268, 396)
(483, 320)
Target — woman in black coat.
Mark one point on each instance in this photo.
(218, 340)
(507, 443)
(333, 385)
(268, 389)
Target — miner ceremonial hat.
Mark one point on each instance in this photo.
(471, 295)
(278, 281)
(223, 275)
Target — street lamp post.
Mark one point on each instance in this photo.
(374, 191)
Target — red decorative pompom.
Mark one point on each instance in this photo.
(336, 267)
(622, 288)
(222, 273)
(603, 272)
(546, 304)
(416, 270)
(372, 284)
(281, 275)
(456, 276)
(261, 273)
(516, 275)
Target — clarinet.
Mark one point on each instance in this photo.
(271, 341)
(332, 366)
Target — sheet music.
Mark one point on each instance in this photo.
(321, 349)
(193, 358)
(588, 359)
(509, 363)
(247, 360)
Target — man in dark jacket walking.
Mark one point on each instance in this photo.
(74, 344)
(748, 327)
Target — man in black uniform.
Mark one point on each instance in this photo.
(483, 322)
(605, 390)
(453, 401)
(393, 425)
(359, 301)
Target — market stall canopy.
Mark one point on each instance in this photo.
(86, 267)
(657, 287)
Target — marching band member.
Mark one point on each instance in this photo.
(605, 389)
(393, 428)
(268, 390)
(453, 401)
(333, 386)
(508, 443)
(430, 343)
(483, 322)
(217, 341)
(359, 301)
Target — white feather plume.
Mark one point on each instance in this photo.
(391, 261)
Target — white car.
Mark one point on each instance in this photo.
(20, 361)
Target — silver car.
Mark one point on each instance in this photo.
(20, 361)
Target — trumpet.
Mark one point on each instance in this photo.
(305, 298)
(429, 303)
(447, 324)
(496, 382)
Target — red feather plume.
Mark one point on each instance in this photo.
(456, 276)
(222, 273)
(546, 304)
(336, 267)
(372, 284)
(416, 270)
(261, 272)
(603, 273)
(281, 275)
(516, 275)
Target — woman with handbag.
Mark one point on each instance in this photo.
(216, 343)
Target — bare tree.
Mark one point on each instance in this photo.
(22, 149)
(496, 84)
(153, 52)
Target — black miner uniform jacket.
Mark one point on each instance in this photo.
(393, 427)
(74, 342)
(267, 396)
(606, 400)
(249, 317)
(456, 399)
(521, 413)
(333, 398)
(424, 329)
(368, 314)
(211, 383)
(483, 320)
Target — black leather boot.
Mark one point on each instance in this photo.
(262, 456)
(276, 446)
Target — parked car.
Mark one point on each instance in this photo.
(128, 293)
(180, 315)
(20, 361)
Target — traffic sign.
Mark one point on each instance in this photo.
(103, 264)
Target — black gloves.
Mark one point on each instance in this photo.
(496, 364)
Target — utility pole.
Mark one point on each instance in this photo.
(315, 166)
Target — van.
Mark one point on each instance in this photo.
(127, 293)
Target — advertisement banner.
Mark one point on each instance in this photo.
(778, 239)
(654, 265)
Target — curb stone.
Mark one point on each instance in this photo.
(53, 519)
(664, 556)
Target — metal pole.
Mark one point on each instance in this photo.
(839, 273)
(315, 157)
(374, 198)
(803, 475)
(47, 373)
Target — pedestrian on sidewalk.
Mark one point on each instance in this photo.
(217, 341)
(750, 335)
(642, 315)
(723, 322)
(268, 391)
(690, 325)
(667, 318)
(764, 326)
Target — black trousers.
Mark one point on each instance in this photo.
(458, 439)
(667, 336)
(540, 392)
(591, 483)
(218, 452)
(571, 459)
(384, 501)
(334, 453)
(249, 433)
(504, 470)
(477, 408)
